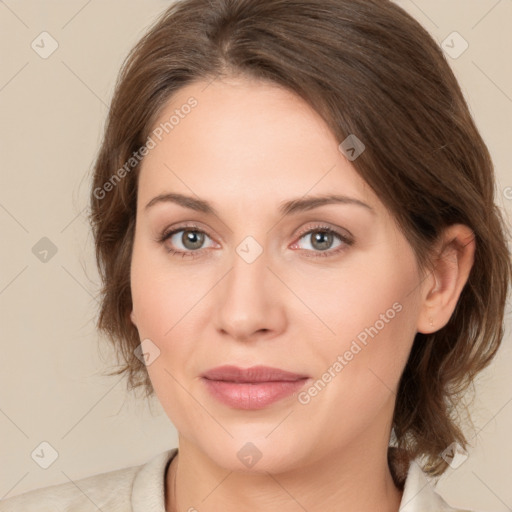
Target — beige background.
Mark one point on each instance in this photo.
(52, 113)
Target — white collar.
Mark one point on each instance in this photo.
(148, 492)
(419, 494)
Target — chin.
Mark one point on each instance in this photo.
(256, 454)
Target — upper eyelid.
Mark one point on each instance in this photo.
(166, 233)
(324, 226)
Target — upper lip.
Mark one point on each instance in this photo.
(253, 374)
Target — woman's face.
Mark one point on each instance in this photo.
(258, 283)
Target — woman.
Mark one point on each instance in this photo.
(295, 227)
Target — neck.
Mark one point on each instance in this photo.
(355, 479)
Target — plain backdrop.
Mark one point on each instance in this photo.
(53, 109)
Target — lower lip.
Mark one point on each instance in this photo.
(243, 395)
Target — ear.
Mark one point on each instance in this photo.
(453, 259)
(132, 318)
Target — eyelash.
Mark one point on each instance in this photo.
(320, 228)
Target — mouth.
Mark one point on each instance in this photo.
(251, 388)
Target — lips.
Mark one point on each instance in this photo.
(253, 374)
(251, 388)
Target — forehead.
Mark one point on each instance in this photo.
(245, 140)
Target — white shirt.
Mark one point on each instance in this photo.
(142, 489)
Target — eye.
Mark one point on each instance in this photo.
(188, 240)
(321, 240)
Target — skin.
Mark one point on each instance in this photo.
(246, 147)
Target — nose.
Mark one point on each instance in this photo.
(249, 301)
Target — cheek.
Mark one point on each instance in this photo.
(358, 372)
(372, 310)
(369, 289)
(159, 295)
(169, 303)
(151, 306)
(163, 302)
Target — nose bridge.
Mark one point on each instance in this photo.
(248, 278)
(247, 301)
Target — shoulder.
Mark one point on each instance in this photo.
(91, 493)
(419, 494)
(110, 491)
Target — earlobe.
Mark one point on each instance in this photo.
(132, 318)
(452, 267)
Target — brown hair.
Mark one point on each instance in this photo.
(369, 69)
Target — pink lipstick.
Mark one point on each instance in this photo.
(251, 388)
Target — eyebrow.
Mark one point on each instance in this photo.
(285, 207)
